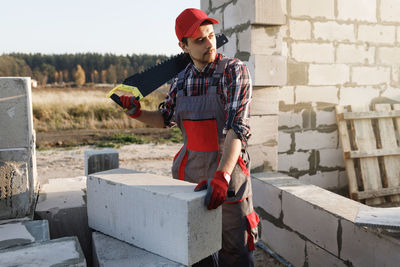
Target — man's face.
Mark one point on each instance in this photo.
(202, 46)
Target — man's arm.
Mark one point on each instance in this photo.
(232, 148)
(152, 118)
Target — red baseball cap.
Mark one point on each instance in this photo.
(189, 20)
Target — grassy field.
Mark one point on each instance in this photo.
(56, 109)
(59, 114)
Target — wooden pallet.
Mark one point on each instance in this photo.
(371, 152)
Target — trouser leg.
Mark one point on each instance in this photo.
(235, 235)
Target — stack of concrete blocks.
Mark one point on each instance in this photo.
(17, 149)
(27, 243)
(310, 226)
(255, 37)
(158, 214)
(343, 52)
(62, 201)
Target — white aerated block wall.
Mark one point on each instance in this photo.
(156, 213)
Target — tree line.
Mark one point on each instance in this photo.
(78, 69)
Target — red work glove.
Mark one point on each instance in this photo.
(216, 189)
(131, 105)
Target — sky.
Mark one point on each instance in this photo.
(98, 26)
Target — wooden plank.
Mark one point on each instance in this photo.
(369, 167)
(378, 217)
(372, 153)
(370, 115)
(376, 193)
(345, 141)
(391, 163)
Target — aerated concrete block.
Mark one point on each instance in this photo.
(156, 213)
(16, 194)
(57, 252)
(108, 251)
(22, 233)
(15, 112)
(101, 160)
(63, 203)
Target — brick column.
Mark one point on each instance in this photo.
(254, 33)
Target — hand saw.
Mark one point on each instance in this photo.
(143, 83)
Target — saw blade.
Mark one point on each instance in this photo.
(152, 78)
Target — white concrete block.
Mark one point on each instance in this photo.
(300, 29)
(263, 157)
(326, 94)
(316, 140)
(108, 251)
(265, 101)
(392, 93)
(100, 160)
(357, 95)
(331, 158)
(238, 13)
(290, 119)
(265, 40)
(333, 31)
(156, 213)
(15, 113)
(357, 10)
(264, 130)
(317, 257)
(298, 215)
(389, 10)
(349, 53)
(267, 70)
(266, 197)
(285, 242)
(269, 12)
(381, 34)
(286, 95)
(297, 160)
(331, 74)
(370, 75)
(388, 55)
(325, 117)
(358, 241)
(57, 252)
(218, 16)
(230, 48)
(22, 233)
(244, 40)
(342, 179)
(313, 8)
(326, 180)
(284, 141)
(313, 52)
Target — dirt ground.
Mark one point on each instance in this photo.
(61, 162)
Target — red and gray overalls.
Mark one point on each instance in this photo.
(201, 120)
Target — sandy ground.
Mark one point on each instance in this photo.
(157, 159)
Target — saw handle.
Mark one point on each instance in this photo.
(116, 99)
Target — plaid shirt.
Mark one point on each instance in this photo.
(234, 89)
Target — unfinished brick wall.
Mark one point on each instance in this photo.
(338, 52)
(305, 57)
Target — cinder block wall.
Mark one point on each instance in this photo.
(305, 57)
(255, 37)
(338, 52)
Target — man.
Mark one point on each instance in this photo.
(209, 101)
